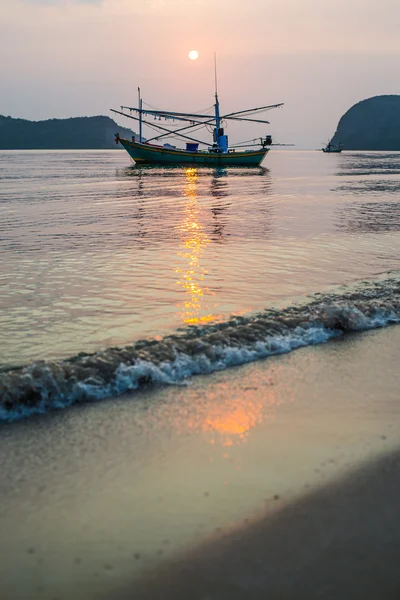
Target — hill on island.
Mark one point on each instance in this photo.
(372, 124)
(60, 134)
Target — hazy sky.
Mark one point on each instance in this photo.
(62, 58)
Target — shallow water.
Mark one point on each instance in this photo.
(98, 253)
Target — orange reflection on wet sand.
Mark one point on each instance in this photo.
(233, 423)
(194, 243)
(233, 420)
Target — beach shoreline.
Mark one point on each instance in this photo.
(202, 349)
(108, 499)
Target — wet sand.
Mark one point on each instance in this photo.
(279, 479)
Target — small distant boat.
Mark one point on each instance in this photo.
(333, 148)
(217, 153)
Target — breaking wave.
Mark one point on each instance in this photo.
(45, 385)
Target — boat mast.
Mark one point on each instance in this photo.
(140, 116)
(216, 106)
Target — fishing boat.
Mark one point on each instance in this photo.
(333, 148)
(182, 126)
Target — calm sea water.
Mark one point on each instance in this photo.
(114, 277)
(99, 253)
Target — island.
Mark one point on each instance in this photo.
(76, 133)
(372, 124)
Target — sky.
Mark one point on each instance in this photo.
(64, 58)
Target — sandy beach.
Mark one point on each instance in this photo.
(277, 479)
(341, 541)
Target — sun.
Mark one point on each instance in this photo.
(193, 55)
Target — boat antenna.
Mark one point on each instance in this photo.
(215, 73)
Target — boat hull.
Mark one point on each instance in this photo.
(336, 151)
(158, 155)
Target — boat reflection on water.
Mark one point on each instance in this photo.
(197, 308)
(219, 191)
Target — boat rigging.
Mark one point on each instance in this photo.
(218, 153)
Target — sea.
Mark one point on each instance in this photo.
(116, 277)
(199, 382)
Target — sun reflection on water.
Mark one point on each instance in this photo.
(196, 307)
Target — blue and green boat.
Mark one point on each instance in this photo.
(182, 126)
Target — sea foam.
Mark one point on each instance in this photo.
(45, 385)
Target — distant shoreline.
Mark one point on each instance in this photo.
(75, 133)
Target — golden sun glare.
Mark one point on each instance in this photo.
(193, 55)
